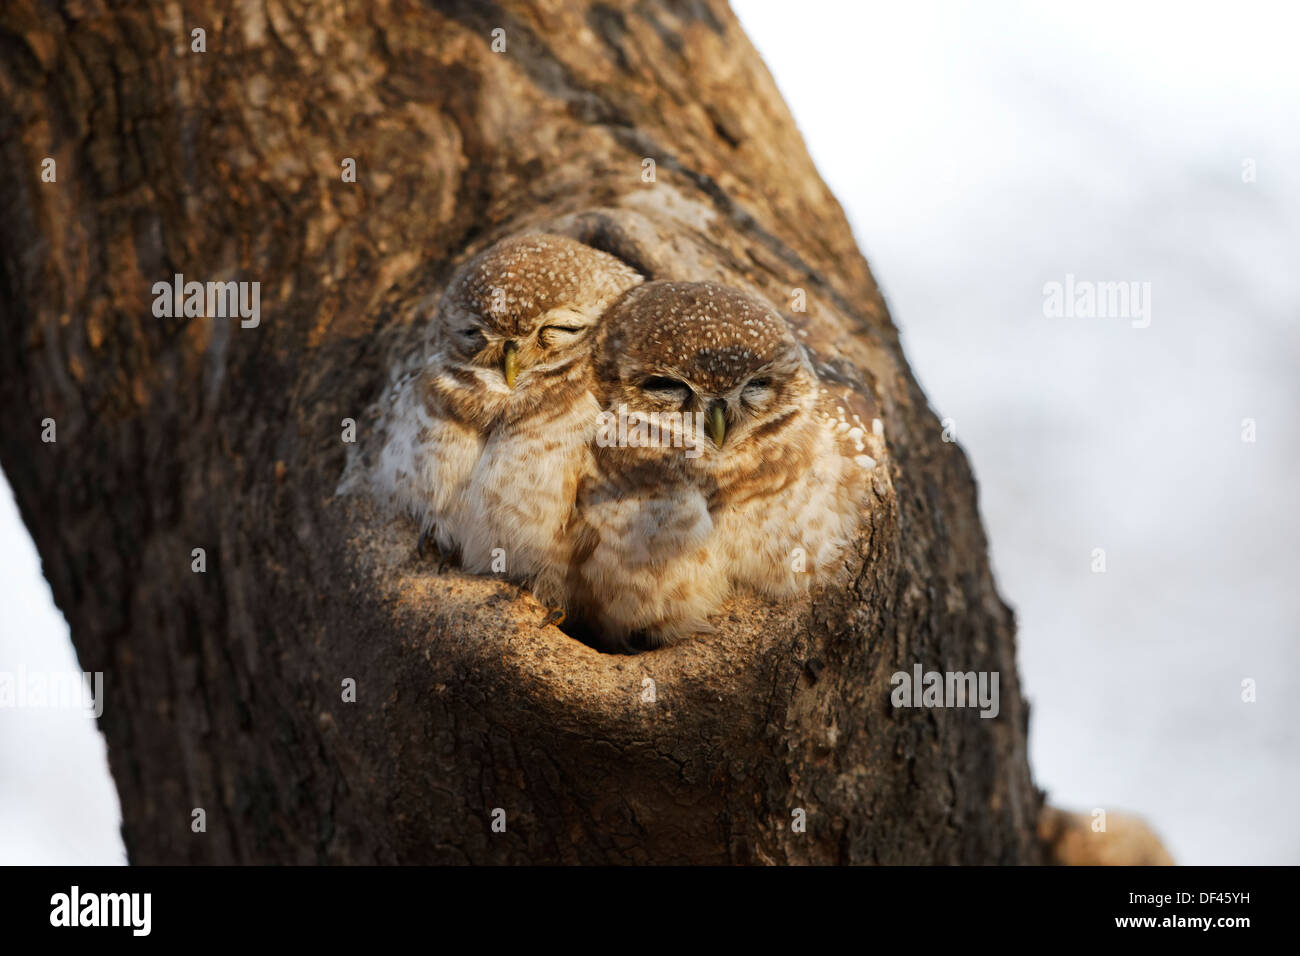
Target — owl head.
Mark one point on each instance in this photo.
(708, 351)
(523, 312)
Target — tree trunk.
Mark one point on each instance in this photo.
(224, 688)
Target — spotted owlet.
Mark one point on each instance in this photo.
(722, 462)
(484, 441)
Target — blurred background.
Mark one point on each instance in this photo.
(982, 151)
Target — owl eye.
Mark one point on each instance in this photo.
(666, 389)
(757, 391)
(552, 335)
(472, 337)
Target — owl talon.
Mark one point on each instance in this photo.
(554, 616)
(444, 560)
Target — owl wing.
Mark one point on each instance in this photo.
(851, 411)
(427, 460)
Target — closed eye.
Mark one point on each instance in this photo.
(666, 389)
(472, 336)
(550, 335)
(757, 391)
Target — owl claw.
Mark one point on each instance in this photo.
(444, 560)
(554, 616)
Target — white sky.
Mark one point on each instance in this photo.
(983, 150)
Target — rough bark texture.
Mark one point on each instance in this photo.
(224, 688)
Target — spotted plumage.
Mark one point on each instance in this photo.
(765, 498)
(484, 440)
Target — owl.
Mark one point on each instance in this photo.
(484, 440)
(722, 462)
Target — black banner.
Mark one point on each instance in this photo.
(333, 905)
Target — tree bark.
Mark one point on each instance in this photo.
(224, 688)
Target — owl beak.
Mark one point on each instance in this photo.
(510, 363)
(717, 424)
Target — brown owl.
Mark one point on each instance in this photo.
(485, 440)
(722, 461)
